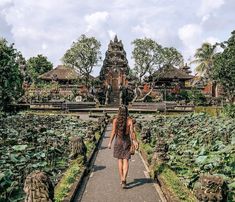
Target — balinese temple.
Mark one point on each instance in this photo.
(186, 69)
(207, 87)
(115, 68)
(61, 74)
(169, 75)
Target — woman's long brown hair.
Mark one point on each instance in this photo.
(120, 129)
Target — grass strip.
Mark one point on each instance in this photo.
(63, 187)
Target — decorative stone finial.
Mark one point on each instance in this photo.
(115, 39)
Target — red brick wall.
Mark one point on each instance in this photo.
(208, 89)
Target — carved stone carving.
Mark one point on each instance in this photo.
(38, 187)
(77, 148)
(211, 188)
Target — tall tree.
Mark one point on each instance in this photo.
(36, 66)
(204, 59)
(83, 55)
(171, 56)
(146, 55)
(224, 68)
(11, 78)
(22, 66)
(149, 56)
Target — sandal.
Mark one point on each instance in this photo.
(123, 184)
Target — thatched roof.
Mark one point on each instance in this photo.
(60, 73)
(168, 72)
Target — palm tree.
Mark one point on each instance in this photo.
(204, 59)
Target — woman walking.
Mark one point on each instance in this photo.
(123, 131)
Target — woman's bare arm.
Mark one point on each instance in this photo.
(132, 131)
(133, 135)
(112, 133)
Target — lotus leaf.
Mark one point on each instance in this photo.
(19, 147)
(198, 144)
(34, 142)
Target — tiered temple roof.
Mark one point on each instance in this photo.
(186, 69)
(60, 73)
(115, 59)
(170, 73)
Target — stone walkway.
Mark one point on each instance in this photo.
(104, 184)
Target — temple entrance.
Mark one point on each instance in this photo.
(114, 70)
(115, 89)
(115, 84)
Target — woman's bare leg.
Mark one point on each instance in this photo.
(125, 168)
(120, 168)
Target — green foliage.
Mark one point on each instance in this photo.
(170, 97)
(83, 55)
(11, 78)
(69, 177)
(198, 144)
(22, 66)
(197, 97)
(174, 184)
(146, 54)
(229, 110)
(42, 92)
(204, 59)
(184, 95)
(212, 111)
(36, 66)
(224, 68)
(19, 147)
(148, 99)
(149, 56)
(171, 56)
(31, 142)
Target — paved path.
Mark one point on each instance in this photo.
(104, 184)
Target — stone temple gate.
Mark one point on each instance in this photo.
(115, 69)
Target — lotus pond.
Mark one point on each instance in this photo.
(33, 142)
(197, 144)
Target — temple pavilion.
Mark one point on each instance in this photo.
(61, 74)
(168, 75)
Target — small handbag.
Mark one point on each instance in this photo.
(132, 148)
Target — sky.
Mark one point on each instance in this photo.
(49, 27)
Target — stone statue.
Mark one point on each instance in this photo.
(38, 187)
(108, 94)
(77, 148)
(120, 94)
(101, 95)
(211, 188)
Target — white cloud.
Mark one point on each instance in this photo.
(192, 38)
(190, 35)
(49, 27)
(42, 27)
(211, 40)
(96, 20)
(205, 18)
(5, 2)
(207, 6)
(44, 46)
(111, 34)
(144, 30)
